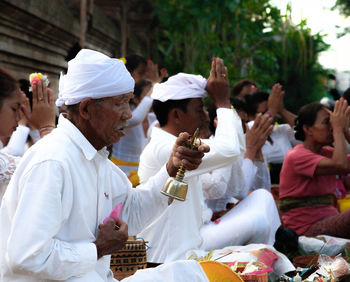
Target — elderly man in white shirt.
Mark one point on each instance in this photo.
(178, 105)
(52, 212)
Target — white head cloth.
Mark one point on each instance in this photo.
(180, 86)
(92, 74)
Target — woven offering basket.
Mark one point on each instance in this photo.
(128, 260)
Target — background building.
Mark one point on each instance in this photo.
(41, 35)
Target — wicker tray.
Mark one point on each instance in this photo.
(128, 260)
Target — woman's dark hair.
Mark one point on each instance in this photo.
(307, 116)
(212, 115)
(346, 95)
(239, 104)
(162, 109)
(24, 84)
(237, 88)
(253, 100)
(8, 84)
(133, 61)
(140, 86)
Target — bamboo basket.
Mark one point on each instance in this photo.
(128, 260)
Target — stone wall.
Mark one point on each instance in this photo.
(38, 35)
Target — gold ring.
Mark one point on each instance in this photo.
(223, 75)
(41, 99)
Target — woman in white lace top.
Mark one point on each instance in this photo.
(11, 106)
(8, 165)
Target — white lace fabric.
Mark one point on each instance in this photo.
(8, 166)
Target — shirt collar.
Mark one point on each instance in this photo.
(161, 133)
(79, 139)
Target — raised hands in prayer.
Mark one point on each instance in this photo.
(218, 85)
(257, 136)
(25, 112)
(275, 101)
(347, 129)
(163, 74)
(152, 72)
(182, 155)
(339, 117)
(43, 115)
(276, 107)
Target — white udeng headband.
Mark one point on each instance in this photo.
(92, 74)
(180, 86)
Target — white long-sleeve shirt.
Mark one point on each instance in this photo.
(61, 191)
(177, 229)
(140, 112)
(283, 139)
(8, 166)
(130, 146)
(236, 180)
(17, 142)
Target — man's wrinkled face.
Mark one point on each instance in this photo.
(110, 118)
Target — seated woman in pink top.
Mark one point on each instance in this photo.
(308, 175)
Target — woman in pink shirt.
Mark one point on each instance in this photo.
(308, 175)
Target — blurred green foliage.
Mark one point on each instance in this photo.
(343, 6)
(253, 38)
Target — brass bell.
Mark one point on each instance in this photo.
(175, 188)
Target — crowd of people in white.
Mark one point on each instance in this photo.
(122, 131)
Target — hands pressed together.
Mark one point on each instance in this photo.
(275, 101)
(218, 85)
(257, 135)
(340, 116)
(42, 116)
(152, 72)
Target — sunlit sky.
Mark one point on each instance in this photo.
(320, 18)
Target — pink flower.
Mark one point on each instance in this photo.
(115, 213)
(35, 77)
(34, 80)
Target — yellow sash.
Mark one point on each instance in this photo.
(133, 177)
